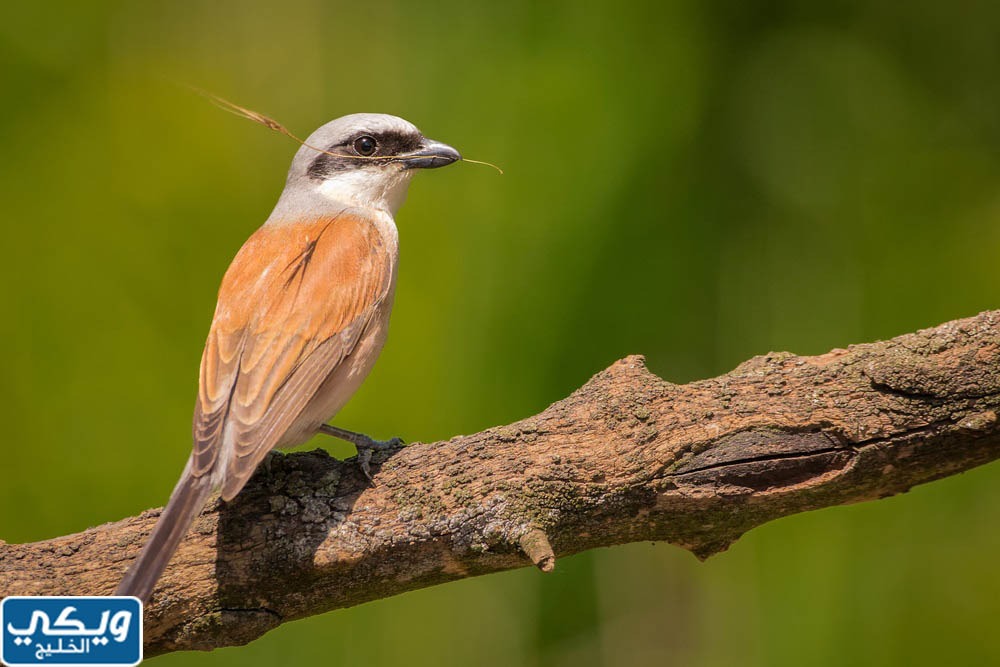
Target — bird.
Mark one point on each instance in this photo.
(302, 314)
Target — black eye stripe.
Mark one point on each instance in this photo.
(390, 143)
(394, 142)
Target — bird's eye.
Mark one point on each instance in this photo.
(365, 145)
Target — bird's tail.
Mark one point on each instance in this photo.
(185, 503)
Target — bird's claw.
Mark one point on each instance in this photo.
(368, 447)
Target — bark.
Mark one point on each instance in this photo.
(628, 457)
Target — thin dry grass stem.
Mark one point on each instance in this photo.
(272, 124)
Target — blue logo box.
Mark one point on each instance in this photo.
(70, 631)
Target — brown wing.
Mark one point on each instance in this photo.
(292, 306)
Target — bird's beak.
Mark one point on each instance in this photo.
(430, 155)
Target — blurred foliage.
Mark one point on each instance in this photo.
(696, 181)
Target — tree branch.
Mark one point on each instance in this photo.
(627, 457)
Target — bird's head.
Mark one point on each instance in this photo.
(364, 160)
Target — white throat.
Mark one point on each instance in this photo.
(380, 190)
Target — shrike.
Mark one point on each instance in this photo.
(302, 315)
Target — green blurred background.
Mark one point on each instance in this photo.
(697, 181)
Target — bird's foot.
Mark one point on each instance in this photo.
(269, 460)
(366, 449)
(366, 445)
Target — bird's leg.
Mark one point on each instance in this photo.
(365, 444)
